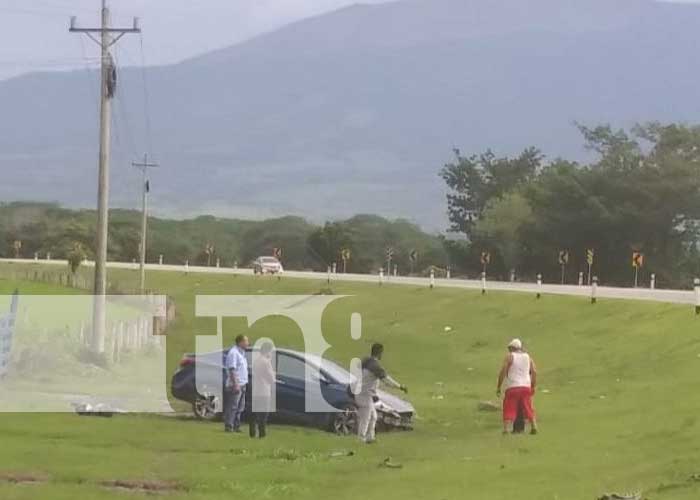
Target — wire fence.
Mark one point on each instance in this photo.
(135, 334)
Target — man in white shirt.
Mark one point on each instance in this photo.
(366, 393)
(520, 375)
(236, 365)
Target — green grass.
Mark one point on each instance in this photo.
(621, 412)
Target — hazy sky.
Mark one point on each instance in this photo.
(35, 36)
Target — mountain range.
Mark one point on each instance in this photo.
(355, 111)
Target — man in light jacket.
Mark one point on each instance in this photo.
(264, 386)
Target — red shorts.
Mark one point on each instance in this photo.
(518, 397)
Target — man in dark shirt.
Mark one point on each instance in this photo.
(366, 393)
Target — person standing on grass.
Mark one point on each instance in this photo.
(236, 365)
(366, 393)
(263, 387)
(520, 375)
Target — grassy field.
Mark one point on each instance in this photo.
(617, 406)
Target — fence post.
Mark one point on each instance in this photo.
(187, 267)
(539, 286)
(160, 260)
(432, 278)
(483, 283)
(580, 278)
(652, 283)
(696, 282)
(381, 276)
(449, 273)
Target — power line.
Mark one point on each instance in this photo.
(146, 99)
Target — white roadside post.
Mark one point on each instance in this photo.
(381, 276)
(449, 273)
(218, 262)
(483, 283)
(594, 290)
(36, 255)
(160, 260)
(539, 286)
(187, 267)
(396, 270)
(335, 266)
(652, 283)
(580, 278)
(328, 275)
(696, 283)
(432, 278)
(48, 255)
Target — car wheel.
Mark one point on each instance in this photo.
(204, 407)
(344, 422)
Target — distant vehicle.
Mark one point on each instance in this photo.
(291, 367)
(267, 265)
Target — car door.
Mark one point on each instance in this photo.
(291, 387)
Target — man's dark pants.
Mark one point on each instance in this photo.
(234, 406)
(259, 421)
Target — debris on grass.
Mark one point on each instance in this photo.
(95, 410)
(545, 391)
(488, 406)
(448, 329)
(239, 451)
(619, 496)
(388, 464)
(22, 478)
(341, 453)
(149, 487)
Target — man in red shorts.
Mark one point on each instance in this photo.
(520, 375)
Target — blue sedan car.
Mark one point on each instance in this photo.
(291, 368)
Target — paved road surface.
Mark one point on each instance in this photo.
(671, 296)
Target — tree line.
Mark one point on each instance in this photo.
(639, 193)
(44, 228)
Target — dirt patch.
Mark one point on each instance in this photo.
(22, 478)
(148, 487)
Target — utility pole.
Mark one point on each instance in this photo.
(145, 187)
(109, 84)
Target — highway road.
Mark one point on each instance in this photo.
(657, 295)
